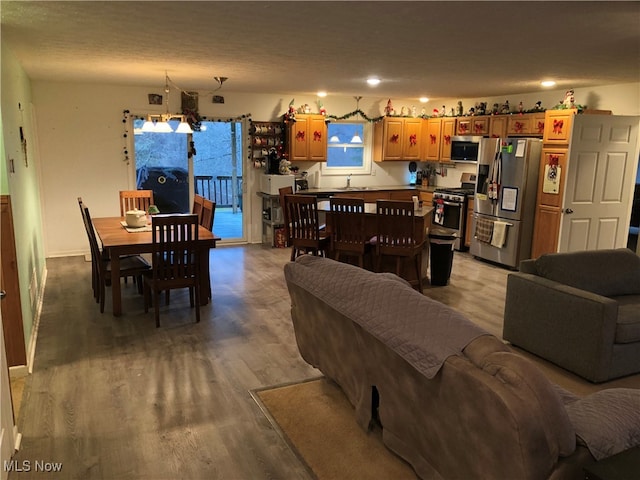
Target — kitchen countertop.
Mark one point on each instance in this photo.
(372, 188)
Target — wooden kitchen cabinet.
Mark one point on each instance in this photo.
(558, 125)
(405, 195)
(432, 132)
(528, 124)
(546, 230)
(397, 138)
(307, 138)
(427, 198)
(476, 126)
(437, 133)
(537, 124)
(498, 126)
(519, 125)
(447, 131)
(412, 139)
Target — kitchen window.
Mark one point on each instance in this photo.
(348, 148)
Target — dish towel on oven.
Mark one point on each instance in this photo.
(439, 216)
(484, 229)
(499, 233)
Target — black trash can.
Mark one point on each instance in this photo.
(441, 241)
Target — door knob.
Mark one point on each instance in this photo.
(2, 294)
(568, 210)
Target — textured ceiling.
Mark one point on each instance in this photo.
(437, 49)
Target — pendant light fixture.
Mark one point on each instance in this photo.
(356, 138)
(159, 123)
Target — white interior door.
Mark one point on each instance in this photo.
(602, 163)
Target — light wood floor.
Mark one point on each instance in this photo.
(116, 398)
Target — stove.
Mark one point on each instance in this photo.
(450, 207)
(453, 194)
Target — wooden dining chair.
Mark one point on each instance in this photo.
(396, 236)
(197, 206)
(348, 236)
(175, 260)
(130, 265)
(306, 236)
(208, 213)
(285, 216)
(135, 200)
(94, 265)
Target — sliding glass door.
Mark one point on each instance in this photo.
(208, 163)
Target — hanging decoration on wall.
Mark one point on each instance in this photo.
(189, 104)
(125, 137)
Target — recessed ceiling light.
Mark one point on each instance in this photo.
(373, 81)
(548, 83)
(424, 99)
(322, 94)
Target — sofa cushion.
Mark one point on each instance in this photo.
(604, 272)
(628, 324)
(607, 422)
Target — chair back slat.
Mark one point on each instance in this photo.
(135, 200)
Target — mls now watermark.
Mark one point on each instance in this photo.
(29, 466)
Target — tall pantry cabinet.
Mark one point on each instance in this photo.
(585, 182)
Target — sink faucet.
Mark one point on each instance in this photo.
(349, 181)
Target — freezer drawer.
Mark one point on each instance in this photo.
(509, 254)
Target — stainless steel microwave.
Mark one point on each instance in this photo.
(465, 149)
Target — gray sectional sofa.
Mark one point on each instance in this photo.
(453, 400)
(579, 310)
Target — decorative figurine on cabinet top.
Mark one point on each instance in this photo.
(388, 110)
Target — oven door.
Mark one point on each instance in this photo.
(452, 217)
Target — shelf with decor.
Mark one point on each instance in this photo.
(264, 137)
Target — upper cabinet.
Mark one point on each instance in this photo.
(307, 138)
(557, 126)
(398, 138)
(476, 126)
(528, 124)
(436, 141)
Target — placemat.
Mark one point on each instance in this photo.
(146, 228)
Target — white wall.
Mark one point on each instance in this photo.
(22, 183)
(81, 143)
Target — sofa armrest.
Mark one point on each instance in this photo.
(565, 325)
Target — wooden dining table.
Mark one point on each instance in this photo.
(117, 241)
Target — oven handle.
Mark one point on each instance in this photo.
(451, 204)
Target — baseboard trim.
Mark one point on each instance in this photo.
(31, 351)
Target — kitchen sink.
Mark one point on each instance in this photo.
(353, 188)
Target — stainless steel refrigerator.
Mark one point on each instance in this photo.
(505, 199)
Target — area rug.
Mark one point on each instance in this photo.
(318, 423)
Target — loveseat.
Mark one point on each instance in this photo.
(453, 400)
(579, 310)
